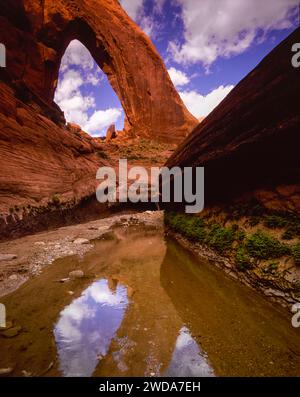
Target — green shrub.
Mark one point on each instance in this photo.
(261, 246)
(288, 234)
(296, 253)
(190, 226)
(275, 221)
(242, 259)
(55, 200)
(220, 238)
(195, 229)
(240, 236)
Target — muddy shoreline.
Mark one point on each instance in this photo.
(30, 254)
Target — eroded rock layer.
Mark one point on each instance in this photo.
(249, 145)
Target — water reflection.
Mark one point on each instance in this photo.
(86, 327)
(187, 358)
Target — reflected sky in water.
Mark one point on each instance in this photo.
(86, 327)
(187, 358)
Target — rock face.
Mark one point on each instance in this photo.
(111, 133)
(249, 145)
(42, 160)
(36, 34)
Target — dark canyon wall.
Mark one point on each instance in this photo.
(249, 145)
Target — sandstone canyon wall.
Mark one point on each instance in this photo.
(249, 145)
(42, 160)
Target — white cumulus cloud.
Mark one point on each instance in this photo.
(77, 55)
(201, 105)
(78, 70)
(178, 77)
(214, 28)
(147, 22)
(101, 120)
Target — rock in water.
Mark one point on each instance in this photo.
(11, 332)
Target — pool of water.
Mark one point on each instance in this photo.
(147, 307)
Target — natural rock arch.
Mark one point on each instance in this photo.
(152, 105)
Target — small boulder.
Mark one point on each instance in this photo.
(81, 241)
(76, 274)
(6, 371)
(12, 332)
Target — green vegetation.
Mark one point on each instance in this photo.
(246, 250)
(262, 246)
(55, 200)
(195, 229)
(296, 253)
(242, 259)
(220, 238)
(191, 227)
(275, 221)
(272, 219)
(271, 268)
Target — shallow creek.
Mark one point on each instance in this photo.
(145, 306)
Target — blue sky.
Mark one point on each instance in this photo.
(208, 46)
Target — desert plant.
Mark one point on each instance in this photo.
(262, 246)
(55, 200)
(296, 253)
(275, 221)
(220, 238)
(242, 259)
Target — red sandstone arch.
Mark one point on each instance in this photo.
(43, 29)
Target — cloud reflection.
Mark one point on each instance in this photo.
(188, 359)
(87, 326)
